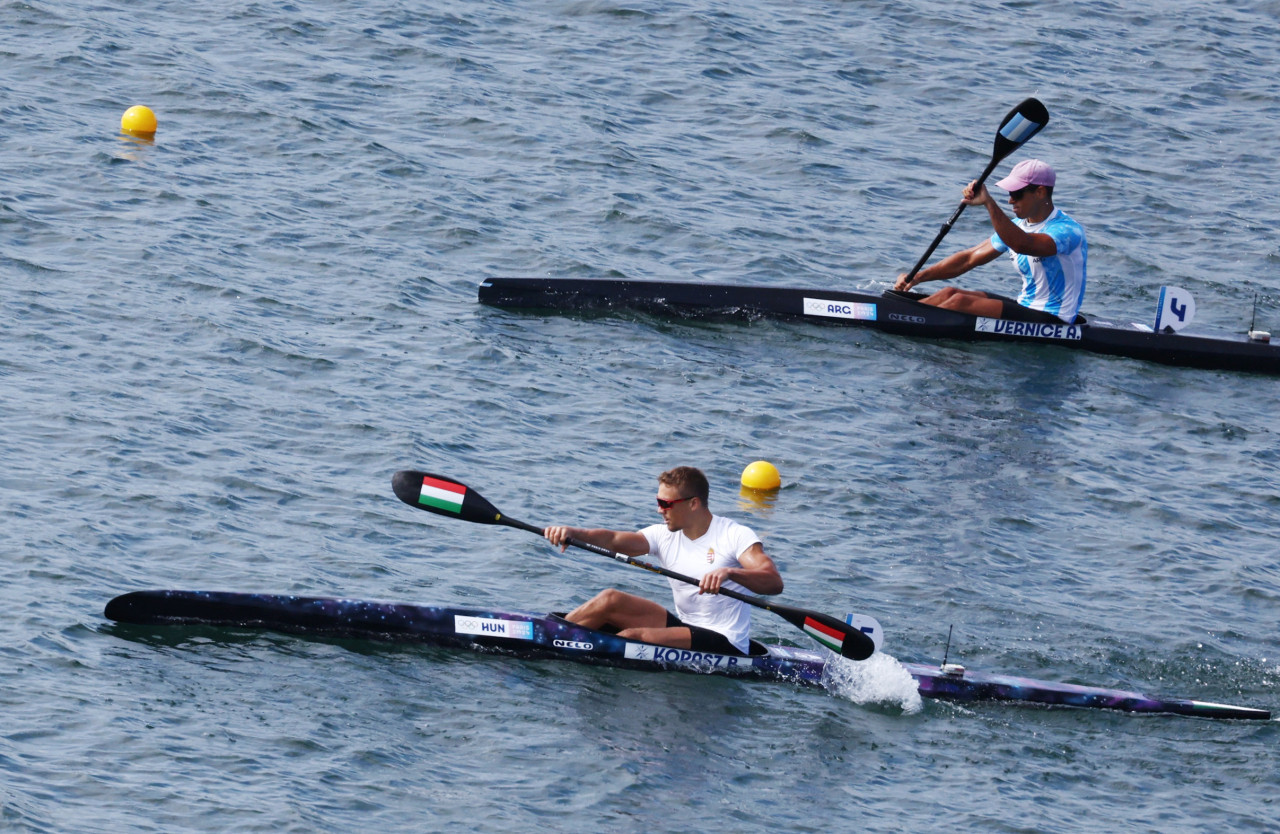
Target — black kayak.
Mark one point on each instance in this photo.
(891, 312)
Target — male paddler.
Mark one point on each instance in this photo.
(1048, 249)
(719, 552)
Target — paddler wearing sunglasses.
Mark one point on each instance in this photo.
(1047, 247)
(717, 551)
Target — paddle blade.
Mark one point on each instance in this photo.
(443, 496)
(844, 640)
(1023, 122)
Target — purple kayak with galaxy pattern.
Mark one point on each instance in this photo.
(550, 636)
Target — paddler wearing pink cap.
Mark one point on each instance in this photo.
(1047, 247)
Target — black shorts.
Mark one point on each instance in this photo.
(704, 639)
(1013, 311)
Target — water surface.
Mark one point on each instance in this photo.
(219, 344)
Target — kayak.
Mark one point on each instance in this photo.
(550, 636)
(892, 312)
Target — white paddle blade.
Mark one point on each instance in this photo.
(868, 626)
(1177, 309)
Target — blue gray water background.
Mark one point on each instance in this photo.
(218, 345)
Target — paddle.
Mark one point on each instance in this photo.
(447, 497)
(1022, 122)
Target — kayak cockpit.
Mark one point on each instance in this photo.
(757, 649)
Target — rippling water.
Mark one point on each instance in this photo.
(219, 344)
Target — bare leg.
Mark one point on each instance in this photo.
(618, 609)
(635, 617)
(972, 302)
(678, 637)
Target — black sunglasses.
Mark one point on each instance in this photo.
(1017, 195)
(664, 504)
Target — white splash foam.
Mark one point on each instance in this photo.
(880, 679)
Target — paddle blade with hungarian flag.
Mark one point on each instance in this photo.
(845, 640)
(443, 496)
(447, 497)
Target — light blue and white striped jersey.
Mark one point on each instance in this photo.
(1055, 284)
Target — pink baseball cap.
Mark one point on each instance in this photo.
(1028, 172)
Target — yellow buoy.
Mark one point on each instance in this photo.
(139, 121)
(761, 475)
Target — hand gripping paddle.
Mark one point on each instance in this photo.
(447, 497)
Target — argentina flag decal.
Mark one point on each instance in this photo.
(1019, 129)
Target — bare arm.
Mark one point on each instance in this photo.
(630, 544)
(952, 266)
(758, 573)
(1035, 244)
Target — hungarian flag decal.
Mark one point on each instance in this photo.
(443, 495)
(824, 634)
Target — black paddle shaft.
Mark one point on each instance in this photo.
(442, 495)
(1021, 123)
